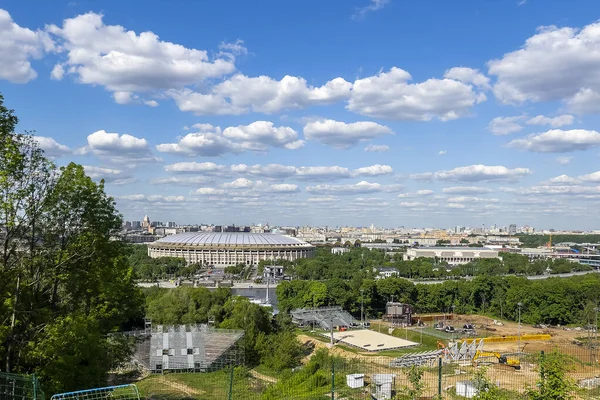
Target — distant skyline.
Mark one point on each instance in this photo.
(339, 113)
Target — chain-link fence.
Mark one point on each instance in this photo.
(20, 387)
(339, 374)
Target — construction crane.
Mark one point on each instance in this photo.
(502, 359)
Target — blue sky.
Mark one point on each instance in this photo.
(397, 113)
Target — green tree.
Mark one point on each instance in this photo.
(416, 385)
(553, 384)
(60, 270)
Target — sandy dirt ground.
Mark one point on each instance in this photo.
(565, 341)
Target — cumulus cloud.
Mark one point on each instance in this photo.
(593, 177)
(468, 75)
(442, 152)
(19, 46)
(476, 173)
(505, 125)
(241, 94)
(209, 191)
(376, 148)
(555, 122)
(567, 190)
(124, 62)
(261, 135)
(357, 188)
(562, 180)
(210, 141)
(180, 180)
(471, 199)
(343, 135)
(389, 95)
(554, 64)
(109, 175)
(278, 171)
(466, 190)
(558, 141)
(119, 148)
(52, 148)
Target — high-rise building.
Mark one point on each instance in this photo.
(136, 224)
(146, 222)
(512, 229)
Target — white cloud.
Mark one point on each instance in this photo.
(552, 190)
(389, 95)
(343, 135)
(558, 141)
(180, 180)
(424, 192)
(505, 125)
(51, 147)
(269, 170)
(476, 173)
(555, 122)
(466, 190)
(323, 172)
(195, 167)
(327, 199)
(154, 198)
(240, 183)
(110, 175)
(562, 180)
(357, 188)
(554, 64)
(442, 152)
(412, 204)
(283, 188)
(20, 45)
(456, 205)
(123, 61)
(563, 160)
(211, 142)
(119, 148)
(469, 76)
(232, 50)
(471, 199)
(205, 144)
(373, 5)
(376, 148)
(593, 177)
(373, 170)
(210, 191)
(241, 94)
(261, 135)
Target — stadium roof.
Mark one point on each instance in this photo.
(231, 239)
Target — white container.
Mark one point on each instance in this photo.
(355, 380)
(466, 389)
(384, 384)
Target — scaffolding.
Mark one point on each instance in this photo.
(326, 318)
(187, 348)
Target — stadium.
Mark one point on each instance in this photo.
(224, 249)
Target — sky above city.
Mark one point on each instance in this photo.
(343, 112)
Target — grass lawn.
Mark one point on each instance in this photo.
(211, 385)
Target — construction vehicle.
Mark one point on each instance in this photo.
(502, 359)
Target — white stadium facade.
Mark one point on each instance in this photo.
(224, 249)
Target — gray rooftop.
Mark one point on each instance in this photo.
(231, 239)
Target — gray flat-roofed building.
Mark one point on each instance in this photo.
(196, 347)
(452, 255)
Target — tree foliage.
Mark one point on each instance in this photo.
(554, 384)
(64, 284)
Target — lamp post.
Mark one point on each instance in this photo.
(519, 304)
(362, 323)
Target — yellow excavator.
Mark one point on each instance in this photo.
(502, 359)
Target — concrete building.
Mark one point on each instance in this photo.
(452, 255)
(386, 272)
(224, 249)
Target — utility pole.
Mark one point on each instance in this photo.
(519, 304)
(331, 326)
(362, 324)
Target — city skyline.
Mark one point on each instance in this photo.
(351, 113)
